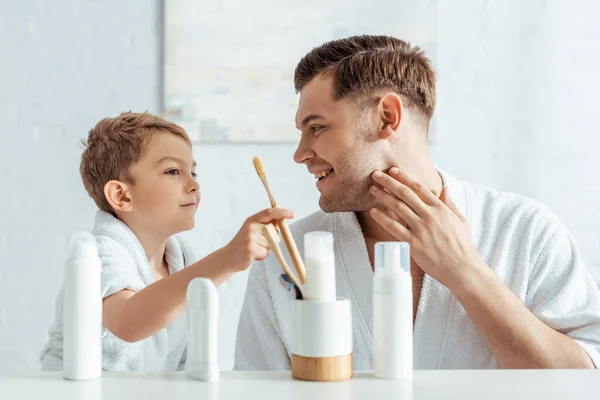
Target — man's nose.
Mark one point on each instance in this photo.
(304, 152)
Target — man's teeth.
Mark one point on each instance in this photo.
(323, 174)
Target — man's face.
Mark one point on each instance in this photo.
(339, 145)
(165, 194)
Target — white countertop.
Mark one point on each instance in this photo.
(463, 385)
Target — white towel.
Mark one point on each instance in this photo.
(125, 266)
(521, 240)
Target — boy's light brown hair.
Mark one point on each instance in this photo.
(114, 145)
(366, 66)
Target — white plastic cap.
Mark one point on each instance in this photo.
(82, 246)
(318, 244)
(202, 293)
(392, 258)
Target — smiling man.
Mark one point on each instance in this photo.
(497, 280)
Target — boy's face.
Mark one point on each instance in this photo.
(165, 194)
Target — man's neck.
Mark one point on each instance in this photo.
(371, 229)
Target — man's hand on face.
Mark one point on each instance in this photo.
(438, 234)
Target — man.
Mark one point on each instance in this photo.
(497, 279)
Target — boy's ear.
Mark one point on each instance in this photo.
(118, 196)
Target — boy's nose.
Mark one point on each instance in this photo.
(194, 186)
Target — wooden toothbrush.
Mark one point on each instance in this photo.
(284, 265)
(283, 228)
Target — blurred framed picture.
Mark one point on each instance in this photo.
(229, 64)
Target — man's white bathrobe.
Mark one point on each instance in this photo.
(521, 240)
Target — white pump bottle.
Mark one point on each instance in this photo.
(392, 312)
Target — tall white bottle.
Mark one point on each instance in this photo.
(392, 312)
(202, 303)
(82, 310)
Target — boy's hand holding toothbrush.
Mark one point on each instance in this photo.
(249, 244)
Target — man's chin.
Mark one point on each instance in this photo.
(327, 209)
(329, 205)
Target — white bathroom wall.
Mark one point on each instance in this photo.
(65, 64)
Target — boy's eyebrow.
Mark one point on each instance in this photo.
(176, 159)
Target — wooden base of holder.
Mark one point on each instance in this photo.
(327, 369)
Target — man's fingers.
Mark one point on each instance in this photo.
(418, 188)
(402, 211)
(393, 227)
(393, 216)
(401, 191)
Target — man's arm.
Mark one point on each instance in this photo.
(516, 337)
(441, 245)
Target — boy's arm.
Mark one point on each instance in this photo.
(133, 316)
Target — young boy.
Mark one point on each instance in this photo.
(140, 172)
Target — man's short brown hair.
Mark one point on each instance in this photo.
(113, 145)
(368, 65)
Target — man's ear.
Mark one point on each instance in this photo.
(118, 196)
(391, 111)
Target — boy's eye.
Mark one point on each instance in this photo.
(194, 175)
(173, 172)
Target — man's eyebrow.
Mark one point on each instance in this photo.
(309, 118)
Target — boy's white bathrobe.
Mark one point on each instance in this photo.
(521, 240)
(125, 267)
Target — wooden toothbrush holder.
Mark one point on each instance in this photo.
(321, 340)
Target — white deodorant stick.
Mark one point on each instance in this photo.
(82, 310)
(202, 303)
(392, 312)
(319, 261)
